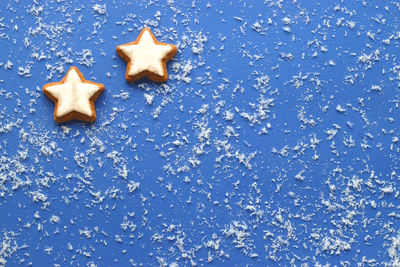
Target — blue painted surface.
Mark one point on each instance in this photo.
(341, 209)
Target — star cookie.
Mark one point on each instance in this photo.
(146, 57)
(74, 97)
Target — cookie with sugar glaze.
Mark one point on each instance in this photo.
(146, 57)
(73, 97)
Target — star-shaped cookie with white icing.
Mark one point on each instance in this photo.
(146, 57)
(74, 97)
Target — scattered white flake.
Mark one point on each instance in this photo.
(85, 57)
(376, 88)
(25, 71)
(340, 109)
(8, 65)
(8, 246)
(334, 245)
(149, 98)
(54, 219)
(132, 186)
(100, 9)
(319, 165)
(198, 43)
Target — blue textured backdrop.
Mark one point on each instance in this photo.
(274, 141)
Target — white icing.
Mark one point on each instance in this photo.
(73, 95)
(146, 55)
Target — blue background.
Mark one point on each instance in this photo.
(306, 171)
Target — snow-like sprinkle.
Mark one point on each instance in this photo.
(274, 142)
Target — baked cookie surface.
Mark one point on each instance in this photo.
(73, 97)
(146, 57)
